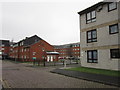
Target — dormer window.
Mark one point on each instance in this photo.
(112, 6)
(91, 17)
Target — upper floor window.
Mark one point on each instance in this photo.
(3, 45)
(91, 17)
(92, 56)
(25, 49)
(92, 36)
(115, 53)
(112, 6)
(113, 29)
(3, 48)
(22, 50)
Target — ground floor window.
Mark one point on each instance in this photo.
(92, 56)
(115, 53)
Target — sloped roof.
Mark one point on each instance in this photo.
(52, 53)
(92, 8)
(30, 40)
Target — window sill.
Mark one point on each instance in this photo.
(90, 22)
(93, 62)
(112, 10)
(113, 33)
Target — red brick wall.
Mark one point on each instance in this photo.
(76, 51)
(39, 49)
(35, 50)
(26, 53)
(6, 49)
(72, 51)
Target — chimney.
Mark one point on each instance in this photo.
(26, 38)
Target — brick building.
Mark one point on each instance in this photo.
(4, 49)
(32, 48)
(68, 50)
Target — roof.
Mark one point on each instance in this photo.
(66, 45)
(53, 53)
(92, 8)
(30, 40)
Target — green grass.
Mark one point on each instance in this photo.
(96, 71)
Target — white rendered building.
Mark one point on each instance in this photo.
(99, 36)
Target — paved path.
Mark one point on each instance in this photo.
(109, 80)
(24, 76)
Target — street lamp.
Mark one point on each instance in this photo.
(43, 57)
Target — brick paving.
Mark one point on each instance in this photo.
(22, 76)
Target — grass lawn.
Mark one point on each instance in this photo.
(96, 71)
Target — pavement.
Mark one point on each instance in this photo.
(19, 75)
(109, 80)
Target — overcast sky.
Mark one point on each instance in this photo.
(55, 21)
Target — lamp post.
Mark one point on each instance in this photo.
(64, 62)
(43, 57)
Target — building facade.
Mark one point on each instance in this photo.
(99, 36)
(4, 49)
(68, 50)
(32, 48)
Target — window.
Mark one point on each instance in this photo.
(92, 56)
(91, 17)
(24, 57)
(3, 48)
(3, 45)
(92, 36)
(25, 49)
(113, 29)
(21, 43)
(22, 50)
(115, 53)
(112, 6)
(34, 53)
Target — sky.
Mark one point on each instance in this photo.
(55, 21)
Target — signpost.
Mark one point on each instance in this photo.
(34, 58)
(64, 63)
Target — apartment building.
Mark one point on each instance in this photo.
(4, 49)
(99, 36)
(33, 48)
(71, 50)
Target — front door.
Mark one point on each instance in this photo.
(51, 58)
